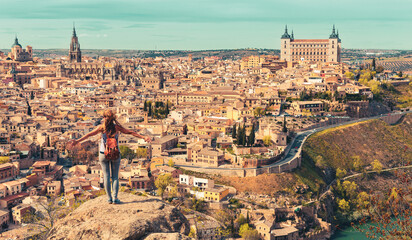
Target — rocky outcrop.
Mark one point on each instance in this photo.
(135, 218)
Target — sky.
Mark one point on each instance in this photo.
(203, 24)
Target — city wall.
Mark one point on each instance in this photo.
(250, 172)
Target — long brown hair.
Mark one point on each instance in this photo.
(109, 122)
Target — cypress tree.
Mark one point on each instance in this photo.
(239, 135)
(284, 128)
(234, 132)
(251, 139)
(244, 135)
(150, 110)
(28, 108)
(145, 106)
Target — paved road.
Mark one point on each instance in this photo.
(296, 146)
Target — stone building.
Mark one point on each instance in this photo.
(316, 50)
(19, 54)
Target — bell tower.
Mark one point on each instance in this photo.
(75, 55)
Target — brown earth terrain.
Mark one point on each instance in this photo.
(262, 184)
(370, 140)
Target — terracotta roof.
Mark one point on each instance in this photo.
(310, 40)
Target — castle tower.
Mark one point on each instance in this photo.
(334, 47)
(285, 46)
(75, 55)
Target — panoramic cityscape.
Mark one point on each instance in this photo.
(191, 130)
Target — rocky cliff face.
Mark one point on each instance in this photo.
(135, 218)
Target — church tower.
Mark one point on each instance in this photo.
(75, 55)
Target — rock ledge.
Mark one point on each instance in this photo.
(135, 218)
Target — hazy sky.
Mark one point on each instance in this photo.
(203, 24)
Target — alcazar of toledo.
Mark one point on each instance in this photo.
(317, 50)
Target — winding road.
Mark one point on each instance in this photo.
(294, 149)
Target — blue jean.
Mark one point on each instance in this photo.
(110, 171)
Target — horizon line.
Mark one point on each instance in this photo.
(217, 49)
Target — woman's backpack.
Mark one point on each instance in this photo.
(112, 149)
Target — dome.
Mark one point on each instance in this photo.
(16, 43)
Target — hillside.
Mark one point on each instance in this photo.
(371, 140)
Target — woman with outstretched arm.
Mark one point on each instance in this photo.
(109, 129)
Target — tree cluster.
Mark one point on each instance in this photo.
(239, 135)
(157, 110)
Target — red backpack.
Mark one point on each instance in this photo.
(112, 149)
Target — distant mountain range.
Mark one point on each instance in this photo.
(223, 53)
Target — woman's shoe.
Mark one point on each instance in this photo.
(109, 201)
(116, 201)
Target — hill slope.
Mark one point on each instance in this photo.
(370, 140)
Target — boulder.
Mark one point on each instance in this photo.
(135, 218)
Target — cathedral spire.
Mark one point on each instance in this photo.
(75, 54)
(74, 30)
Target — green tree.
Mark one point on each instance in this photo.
(340, 173)
(344, 205)
(251, 138)
(171, 163)
(141, 152)
(234, 132)
(267, 140)
(357, 163)
(284, 128)
(350, 75)
(248, 233)
(241, 220)
(239, 135)
(349, 188)
(150, 109)
(244, 135)
(192, 233)
(126, 152)
(167, 108)
(226, 217)
(243, 228)
(258, 112)
(162, 182)
(363, 200)
(145, 106)
(377, 166)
